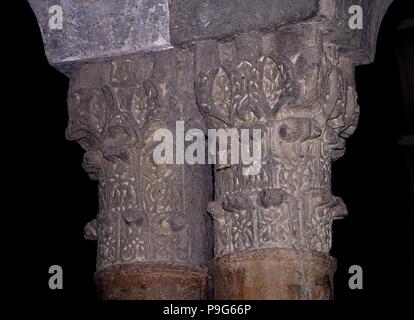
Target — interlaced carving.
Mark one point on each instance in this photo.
(305, 111)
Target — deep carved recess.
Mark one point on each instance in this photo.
(302, 97)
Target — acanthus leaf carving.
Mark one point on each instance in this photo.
(305, 107)
(114, 122)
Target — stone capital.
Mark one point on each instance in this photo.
(284, 67)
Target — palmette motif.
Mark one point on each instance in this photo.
(305, 111)
(142, 214)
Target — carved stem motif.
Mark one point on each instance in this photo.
(147, 212)
(302, 98)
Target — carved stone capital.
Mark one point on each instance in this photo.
(284, 67)
(148, 212)
(302, 97)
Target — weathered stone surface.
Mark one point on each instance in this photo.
(105, 29)
(358, 45)
(285, 67)
(153, 282)
(279, 274)
(147, 212)
(211, 19)
(302, 97)
(102, 29)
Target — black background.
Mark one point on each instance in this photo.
(50, 198)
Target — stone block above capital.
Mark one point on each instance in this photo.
(83, 31)
(88, 31)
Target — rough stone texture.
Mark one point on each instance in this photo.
(279, 274)
(194, 20)
(103, 29)
(358, 45)
(107, 29)
(153, 282)
(302, 97)
(147, 212)
(285, 67)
